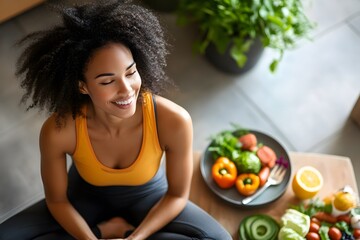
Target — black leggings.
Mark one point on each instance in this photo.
(97, 204)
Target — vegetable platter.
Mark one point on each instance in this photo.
(227, 145)
(312, 220)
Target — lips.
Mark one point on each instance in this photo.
(125, 101)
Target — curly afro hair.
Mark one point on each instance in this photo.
(53, 61)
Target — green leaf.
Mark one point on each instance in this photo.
(273, 65)
(239, 58)
(276, 20)
(225, 144)
(278, 23)
(344, 227)
(323, 232)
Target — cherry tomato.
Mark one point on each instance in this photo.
(334, 233)
(312, 236)
(356, 233)
(314, 227)
(314, 219)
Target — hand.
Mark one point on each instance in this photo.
(114, 228)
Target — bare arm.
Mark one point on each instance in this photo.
(54, 144)
(175, 135)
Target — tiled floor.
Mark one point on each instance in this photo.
(305, 105)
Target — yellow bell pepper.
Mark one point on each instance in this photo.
(247, 183)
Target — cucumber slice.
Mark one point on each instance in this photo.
(258, 227)
(264, 228)
(242, 233)
(242, 229)
(248, 223)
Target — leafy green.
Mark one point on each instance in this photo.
(277, 23)
(323, 232)
(312, 207)
(344, 227)
(289, 234)
(226, 143)
(297, 221)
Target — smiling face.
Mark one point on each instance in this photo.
(112, 81)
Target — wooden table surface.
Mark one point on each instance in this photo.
(337, 172)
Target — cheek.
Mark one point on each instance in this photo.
(100, 93)
(137, 82)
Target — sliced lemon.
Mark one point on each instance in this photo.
(307, 182)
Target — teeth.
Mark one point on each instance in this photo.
(124, 102)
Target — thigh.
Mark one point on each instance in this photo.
(138, 210)
(194, 223)
(31, 222)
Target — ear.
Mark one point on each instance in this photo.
(83, 88)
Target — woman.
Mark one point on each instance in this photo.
(99, 75)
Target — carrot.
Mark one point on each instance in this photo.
(325, 217)
(272, 163)
(264, 175)
(345, 217)
(248, 141)
(267, 156)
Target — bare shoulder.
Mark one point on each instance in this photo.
(62, 138)
(173, 121)
(172, 113)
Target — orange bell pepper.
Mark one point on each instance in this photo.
(224, 172)
(247, 183)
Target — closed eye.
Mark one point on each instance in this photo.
(132, 73)
(107, 83)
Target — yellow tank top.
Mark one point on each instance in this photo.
(141, 171)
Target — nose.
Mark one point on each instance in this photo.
(123, 85)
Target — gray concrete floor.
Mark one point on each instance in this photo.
(305, 105)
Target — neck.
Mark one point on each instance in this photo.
(111, 124)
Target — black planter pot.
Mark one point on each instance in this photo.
(226, 63)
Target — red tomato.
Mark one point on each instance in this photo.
(356, 233)
(314, 219)
(334, 233)
(248, 141)
(312, 236)
(314, 227)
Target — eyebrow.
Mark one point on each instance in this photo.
(112, 74)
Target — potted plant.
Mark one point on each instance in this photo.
(237, 27)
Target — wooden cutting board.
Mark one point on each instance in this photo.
(337, 172)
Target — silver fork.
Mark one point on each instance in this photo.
(276, 176)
